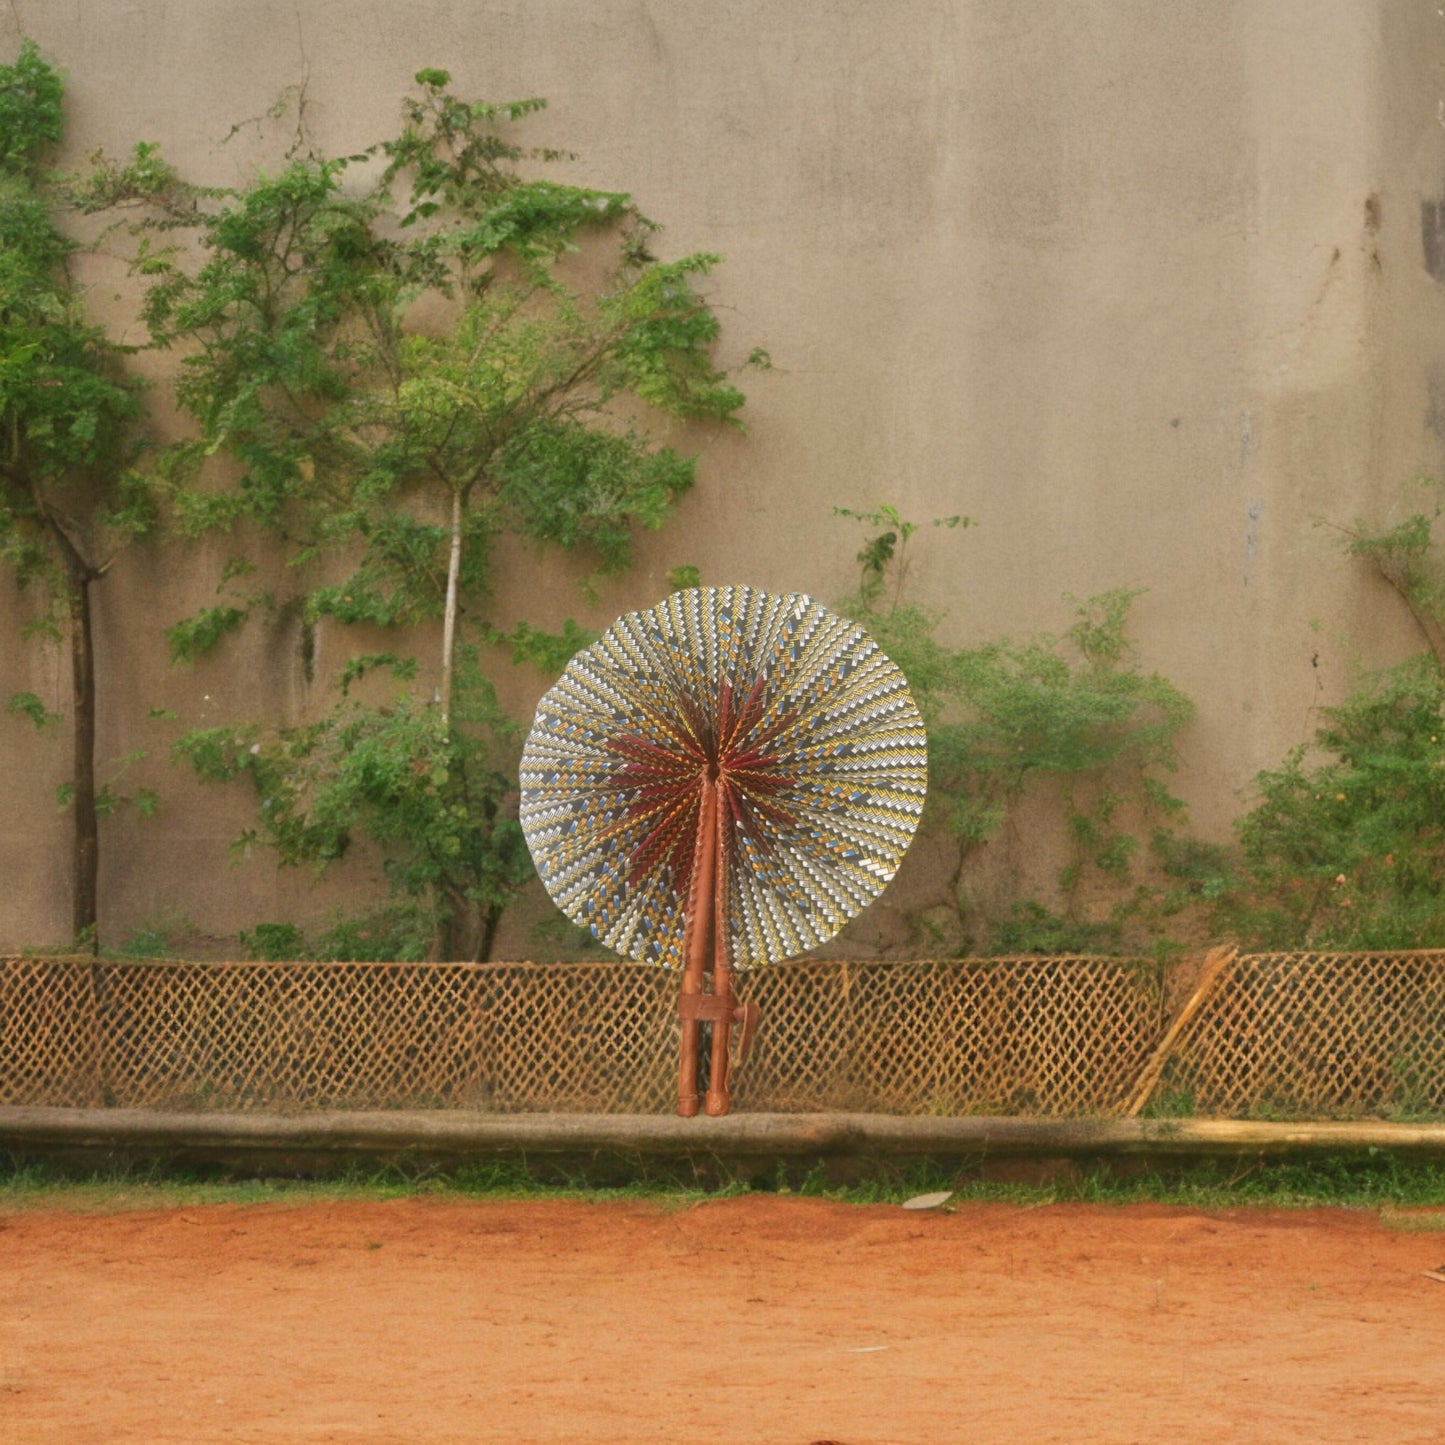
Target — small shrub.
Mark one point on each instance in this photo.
(274, 943)
(1346, 846)
(1072, 712)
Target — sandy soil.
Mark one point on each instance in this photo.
(759, 1319)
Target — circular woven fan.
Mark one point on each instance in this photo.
(816, 746)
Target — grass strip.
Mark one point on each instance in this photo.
(1377, 1182)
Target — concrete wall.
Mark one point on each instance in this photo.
(1140, 285)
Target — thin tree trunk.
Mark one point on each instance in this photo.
(85, 842)
(449, 618)
(85, 865)
(455, 937)
(487, 939)
(1401, 576)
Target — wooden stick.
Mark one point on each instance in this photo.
(696, 936)
(718, 1101)
(1216, 961)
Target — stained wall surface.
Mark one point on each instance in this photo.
(1144, 288)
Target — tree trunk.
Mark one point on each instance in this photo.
(85, 864)
(453, 941)
(487, 938)
(449, 618)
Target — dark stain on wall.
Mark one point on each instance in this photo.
(1432, 235)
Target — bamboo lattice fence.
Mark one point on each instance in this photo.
(1308, 1035)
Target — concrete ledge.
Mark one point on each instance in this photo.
(441, 1134)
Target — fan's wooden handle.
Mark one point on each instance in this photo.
(730, 1012)
(718, 1100)
(697, 930)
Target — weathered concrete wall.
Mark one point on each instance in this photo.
(1141, 287)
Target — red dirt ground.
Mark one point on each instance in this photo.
(753, 1320)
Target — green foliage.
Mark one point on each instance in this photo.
(30, 110)
(26, 704)
(1406, 1193)
(146, 942)
(548, 651)
(432, 800)
(404, 669)
(1030, 927)
(1346, 846)
(108, 796)
(1074, 713)
(71, 492)
(274, 943)
(1406, 557)
(403, 931)
(556, 939)
(395, 348)
(165, 934)
(194, 636)
(885, 553)
(1195, 872)
(405, 354)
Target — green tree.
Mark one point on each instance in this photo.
(70, 492)
(402, 355)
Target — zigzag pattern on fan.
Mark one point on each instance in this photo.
(816, 748)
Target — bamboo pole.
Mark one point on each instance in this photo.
(1216, 961)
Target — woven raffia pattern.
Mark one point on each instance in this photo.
(49, 1033)
(1304, 1036)
(1315, 1035)
(364, 1036)
(1039, 1035)
(1018, 1035)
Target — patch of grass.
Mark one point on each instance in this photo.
(158, 1184)
(155, 1186)
(1172, 1103)
(1415, 1221)
(158, 936)
(1370, 1181)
